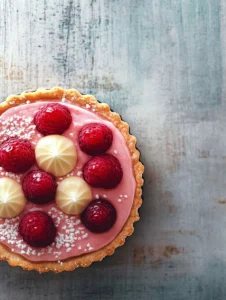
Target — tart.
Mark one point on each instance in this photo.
(70, 180)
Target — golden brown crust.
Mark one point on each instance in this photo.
(103, 110)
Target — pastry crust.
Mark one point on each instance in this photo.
(103, 110)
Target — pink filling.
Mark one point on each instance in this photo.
(73, 239)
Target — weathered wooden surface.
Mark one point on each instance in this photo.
(161, 64)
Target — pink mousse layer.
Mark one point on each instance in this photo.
(73, 239)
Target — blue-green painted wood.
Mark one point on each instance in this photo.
(161, 64)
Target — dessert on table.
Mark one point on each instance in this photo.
(70, 180)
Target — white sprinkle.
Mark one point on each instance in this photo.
(105, 196)
(125, 196)
(71, 133)
(93, 109)
(65, 240)
(88, 106)
(97, 196)
(115, 151)
(77, 222)
(79, 173)
(27, 101)
(119, 200)
(17, 126)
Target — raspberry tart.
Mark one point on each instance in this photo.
(70, 180)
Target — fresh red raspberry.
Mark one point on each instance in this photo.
(52, 118)
(95, 138)
(103, 171)
(39, 187)
(37, 229)
(16, 155)
(99, 216)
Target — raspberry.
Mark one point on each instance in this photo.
(52, 118)
(103, 171)
(16, 155)
(99, 216)
(95, 138)
(37, 229)
(39, 187)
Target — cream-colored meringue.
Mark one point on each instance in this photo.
(12, 199)
(73, 195)
(56, 154)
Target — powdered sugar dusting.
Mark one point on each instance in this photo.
(70, 230)
(17, 126)
(9, 231)
(11, 175)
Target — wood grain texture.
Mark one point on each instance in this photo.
(161, 64)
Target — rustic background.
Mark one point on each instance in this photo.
(161, 64)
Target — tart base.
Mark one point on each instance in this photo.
(102, 109)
